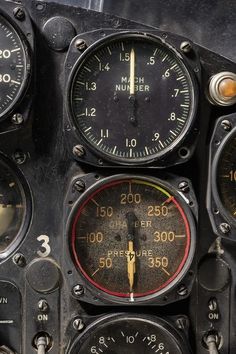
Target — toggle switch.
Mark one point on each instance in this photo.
(5, 350)
(42, 342)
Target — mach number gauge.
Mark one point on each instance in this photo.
(132, 98)
(130, 333)
(132, 238)
(14, 66)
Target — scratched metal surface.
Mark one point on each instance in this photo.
(210, 23)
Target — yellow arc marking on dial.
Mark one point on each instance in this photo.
(154, 186)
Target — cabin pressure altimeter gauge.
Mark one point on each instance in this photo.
(132, 237)
(221, 197)
(130, 333)
(132, 98)
(225, 178)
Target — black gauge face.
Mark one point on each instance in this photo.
(226, 177)
(132, 98)
(131, 238)
(129, 334)
(12, 207)
(13, 66)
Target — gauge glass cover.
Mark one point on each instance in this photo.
(13, 66)
(130, 334)
(132, 98)
(226, 177)
(131, 237)
(12, 207)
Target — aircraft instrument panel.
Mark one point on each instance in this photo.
(117, 185)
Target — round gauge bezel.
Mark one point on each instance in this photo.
(166, 327)
(185, 262)
(178, 57)
(27, 61)
(215, 164)
(27, 202)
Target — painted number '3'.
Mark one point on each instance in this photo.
(45, 246)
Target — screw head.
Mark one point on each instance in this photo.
(182, 290)
(19, 260)
(19, 157)
(78, 150)
(78, 324)
(226, 125)
(43, 305)
(19, 13)
(78, 290)
(79, 185)
(183, 186)
(182, 322)
(212, 304)
(186, 47)
(17, 119)
(80, 44)
(224, 228)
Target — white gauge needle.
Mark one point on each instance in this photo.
(132, 71)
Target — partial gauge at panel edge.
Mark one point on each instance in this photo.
(132, 98)
(14, 65)
(223, 178)
(132, 238)
(15, 207)
(130, 333)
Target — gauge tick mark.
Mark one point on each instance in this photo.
(94, 201)
(97, 270)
